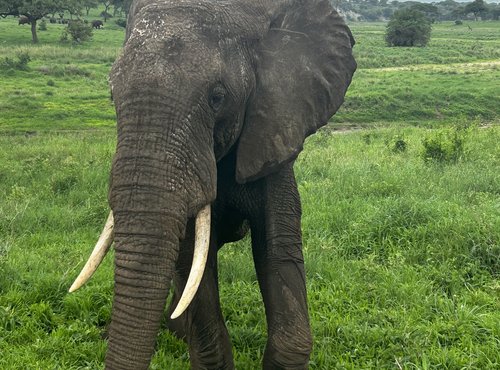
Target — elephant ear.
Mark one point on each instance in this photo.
(304, 65)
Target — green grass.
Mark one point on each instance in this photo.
(402, 253)
(449, 80)
(449, 44)
(65, 86)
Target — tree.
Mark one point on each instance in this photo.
(78, 30)
(107, 4)
(408, 27)
(476, 7)
(34, 10)
(73, 7)
(495, 12)
(90, 4)
(121, 6)
(430, 11)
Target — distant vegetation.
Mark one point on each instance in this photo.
(447, 10)
(33, 11)
(400, 197)
(408, 27)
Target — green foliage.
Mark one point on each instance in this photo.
(121, 22)
(21, 64)
(445, 145)
(476, 7)
(42, 26)
(431, 11)
(408, 27)
(398, 144)
(35, 10)
(106, 15)
(78, 31)
(447, 10)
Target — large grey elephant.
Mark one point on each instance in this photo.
(214, 100)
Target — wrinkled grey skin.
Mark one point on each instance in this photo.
(214, 100)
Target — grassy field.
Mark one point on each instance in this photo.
(401, 219)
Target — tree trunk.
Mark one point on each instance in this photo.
(34, 36)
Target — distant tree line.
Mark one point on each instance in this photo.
(34, 10)
(447, 10)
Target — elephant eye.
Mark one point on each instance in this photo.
(217, 98)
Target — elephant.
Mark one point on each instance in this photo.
(97, 24)
(214, 100)
(24, 20)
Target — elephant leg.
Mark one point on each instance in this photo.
(202, 324)
(277, 250)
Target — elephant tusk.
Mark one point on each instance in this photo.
(98, 254)
(201, 245)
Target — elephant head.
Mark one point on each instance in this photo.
(197, 82)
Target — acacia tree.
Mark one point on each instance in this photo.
(408, 27)
(476, 8)
(73, 7)
(107, 5)
(36, 9)
(431, 11)
(90, 4)
(122, 6)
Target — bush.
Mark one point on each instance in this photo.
(121, 22)
(458, 22)
(78, 30)
(20, 64)
(408, 27)
(398, 144)
(445, 146)
(43, 25)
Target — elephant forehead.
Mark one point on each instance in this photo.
(170, 36)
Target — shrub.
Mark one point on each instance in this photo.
(21, 63)
(43, 25)
(458, 22)
(78, 30)
(121, 22)
(408, 27)
(398, 144)
(445, 146)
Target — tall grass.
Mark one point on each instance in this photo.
(401, 254)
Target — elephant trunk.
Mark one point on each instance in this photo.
(150, 214)
(144, 266)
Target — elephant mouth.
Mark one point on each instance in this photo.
(200, 254)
